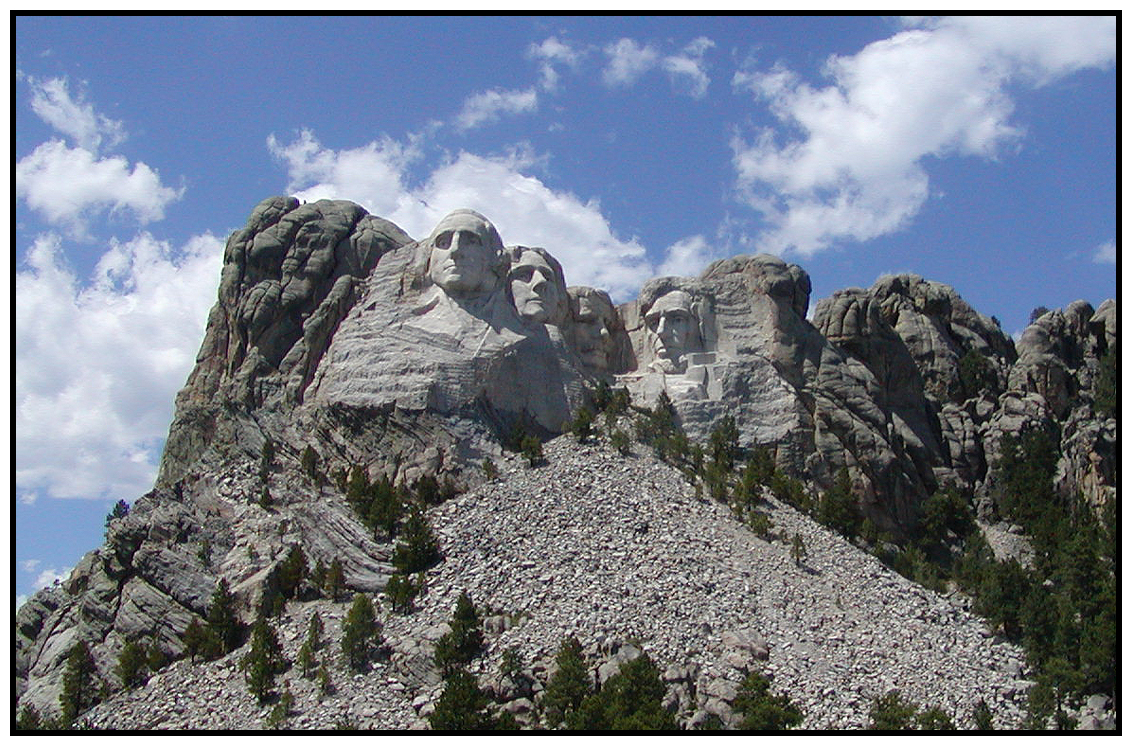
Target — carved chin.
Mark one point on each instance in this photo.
(668, 365)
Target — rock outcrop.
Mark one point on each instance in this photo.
(338, 341)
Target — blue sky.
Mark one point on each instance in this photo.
(979, 152)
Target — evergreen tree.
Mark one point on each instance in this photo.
(201, 641)
(838, 507)
(620, 441)
(401, 591)
(357, 490)
(982, 716)
(335, 581)
(79, 683)
(28, 719)
(798, 550)
(1106, 396)
(630, 700)
(582, 424)
(266, 457)
(292, 571)
(976, 374)
(462, 705)
(531, 448)
(386, 505)
(463, 641)
(132, 665)
(121, 509)
(762, 710)
(569, 685)
(490, 470)
(891, 712)
(222, 619)
(724, 445)
(263, 661)
(361, 633)
(418, 549)
(310, 463)
(325, 684)
(946, 510)
(934, 718)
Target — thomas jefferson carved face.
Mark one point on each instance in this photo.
(672, 330)
(534, 289)
(464, 254)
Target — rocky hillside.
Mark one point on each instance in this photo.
(619, 552)
(340, 350)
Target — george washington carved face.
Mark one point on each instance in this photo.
(464, 255)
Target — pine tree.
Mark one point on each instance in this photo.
(132, 665)
(891, 712)
(222, 619)
(292, 571)
(569, 685)
(79, 683)
(361, 633)
(418, 549)
(28, 719)
(463, 641)
(632, 699)
(762, 710)
(266, 457)
(335, 581)
(401, 591)
(200, 641)
(798, 550)
(462, 705)
(263, 661)
(934, 718)
(385, 507)
(310, 463)
(121, 509)
(582, 424)
(982, 716)
(838, 507)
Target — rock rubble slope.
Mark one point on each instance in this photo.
(615, 550)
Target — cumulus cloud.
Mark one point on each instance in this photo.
(687, 257)
(628, 61)
(1105, 253)
(941, 88)
(524, 209)
(688, 70)
(489, 106)
(98, 363)
(68, 185)
(52, 102)
(552, 51)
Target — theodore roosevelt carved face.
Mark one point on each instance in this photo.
(592, 331)
(465, 254)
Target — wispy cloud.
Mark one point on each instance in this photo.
(941, 88)
(1105, 253)
(489, 106)
(688, 69)
(74, 117)
(552, 52)
(628, 61)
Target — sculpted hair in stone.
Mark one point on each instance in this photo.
(419, 269)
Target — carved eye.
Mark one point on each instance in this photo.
(443, 240)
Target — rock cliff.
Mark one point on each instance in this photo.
(337, 337)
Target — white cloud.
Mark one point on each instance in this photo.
(688, 70)
(74, 117)
(1105, 253)
(30, 565)
(550, 52)
(51, 576)
(97, 365)
(942, 89)
(686, 258)
(523, 208)
(628, 61)
(67, 185)
(489, 106)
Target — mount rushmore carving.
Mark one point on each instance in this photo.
(334, 326)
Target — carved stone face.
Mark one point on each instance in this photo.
(593, 320)
(533, 288)
(463, 256)
(672, 330)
